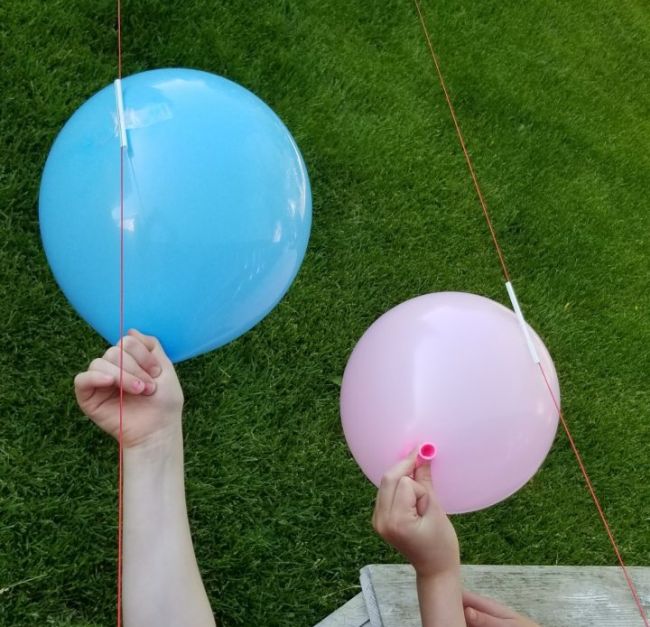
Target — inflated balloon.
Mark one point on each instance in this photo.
(451, 373)
(217, 210)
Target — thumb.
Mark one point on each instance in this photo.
(426, 497)
(474, 618)
(422, 475)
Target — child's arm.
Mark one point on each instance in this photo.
(162, 586)
(408, 516)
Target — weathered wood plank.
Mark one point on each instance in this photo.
(554, 596)
(352, 614)
(370, 598)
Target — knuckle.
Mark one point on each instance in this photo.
(477, 619)
(128, 342)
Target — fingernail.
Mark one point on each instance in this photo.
(155, 371)
(138, 385)
(149, 388)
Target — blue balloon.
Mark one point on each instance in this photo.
(217, 210)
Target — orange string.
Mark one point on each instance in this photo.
(463, 145)
(595, 498)
(506, 274)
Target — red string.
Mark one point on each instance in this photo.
(120, 472)
(592, 491)
(119, 39)
(506, 274)
(461, 139)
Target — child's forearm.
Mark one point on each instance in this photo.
(162, 586)
(441, 600)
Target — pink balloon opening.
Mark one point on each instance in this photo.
(427, 451)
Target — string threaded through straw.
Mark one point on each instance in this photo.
(506, 274)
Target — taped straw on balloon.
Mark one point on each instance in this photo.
(522, 322)
(121, 120)
(515, 304)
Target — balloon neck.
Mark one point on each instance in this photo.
(426, 452)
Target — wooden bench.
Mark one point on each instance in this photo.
(554, 596)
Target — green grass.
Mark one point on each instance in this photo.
(553, 98)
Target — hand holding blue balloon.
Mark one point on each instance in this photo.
(217, 210)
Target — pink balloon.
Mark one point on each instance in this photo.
(453, 370)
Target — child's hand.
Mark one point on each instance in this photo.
(153, 399)
(408, 516)
(482, 612)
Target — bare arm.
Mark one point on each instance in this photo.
(162, 586)
(408, 516)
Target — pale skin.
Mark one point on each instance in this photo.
(408, 516)
(162, 585)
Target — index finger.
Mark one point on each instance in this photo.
(153, 344)
(86, 384)
(389, 481)
(148, 340)
(407, 496)
(487, 606)
(144, 357)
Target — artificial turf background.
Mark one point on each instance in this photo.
(554, 100)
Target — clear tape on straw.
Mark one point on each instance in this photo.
(522, 322)
(121, 121)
